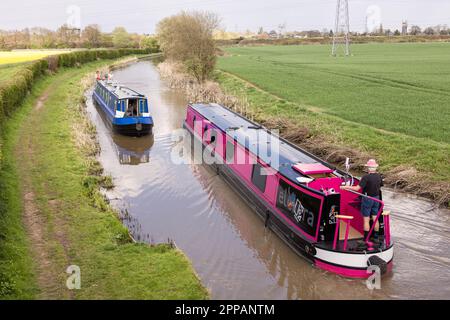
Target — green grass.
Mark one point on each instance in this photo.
(389, 101)
(17, 279)
(40, 153)
(400, 88)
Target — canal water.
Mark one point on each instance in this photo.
(234, 255)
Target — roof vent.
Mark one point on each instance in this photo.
(311, 168)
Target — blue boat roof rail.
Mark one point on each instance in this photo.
(120, 91)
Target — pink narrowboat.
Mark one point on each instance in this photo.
(296, 194)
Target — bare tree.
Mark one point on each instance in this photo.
(188, 37)
(415, 30)
(68, 37)
(429, 31)
(92, 36)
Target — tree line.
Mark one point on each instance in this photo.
(66, 37)
(414, 30)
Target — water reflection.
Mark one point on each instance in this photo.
(133, 150)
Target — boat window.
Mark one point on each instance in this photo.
(141, 106)
(230, 151)
(193, 120)
(259, 177)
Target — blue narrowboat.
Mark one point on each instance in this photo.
(126, 109)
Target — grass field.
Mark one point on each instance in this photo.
(396, 87)
(18, 56)
(389, 101)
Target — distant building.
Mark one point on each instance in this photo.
(262, 35)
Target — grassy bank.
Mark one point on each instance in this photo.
(53, 216)
(388, 102)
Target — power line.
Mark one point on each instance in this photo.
(341, 35)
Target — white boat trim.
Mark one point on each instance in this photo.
(119, 114)
(353, 260)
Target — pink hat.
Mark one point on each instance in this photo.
(372, 163)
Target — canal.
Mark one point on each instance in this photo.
(234, 255)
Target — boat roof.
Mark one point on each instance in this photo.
(121, 92)
(290, 156)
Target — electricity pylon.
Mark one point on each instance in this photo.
(341, 35)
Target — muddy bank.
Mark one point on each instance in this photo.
(401, 178)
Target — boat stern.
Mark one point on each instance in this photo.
(355, 264)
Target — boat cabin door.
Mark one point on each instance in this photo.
(132, 107)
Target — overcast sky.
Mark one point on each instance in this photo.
(237, 15)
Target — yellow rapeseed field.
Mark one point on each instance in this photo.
(17, 56)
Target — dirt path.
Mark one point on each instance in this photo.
(48, 242)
